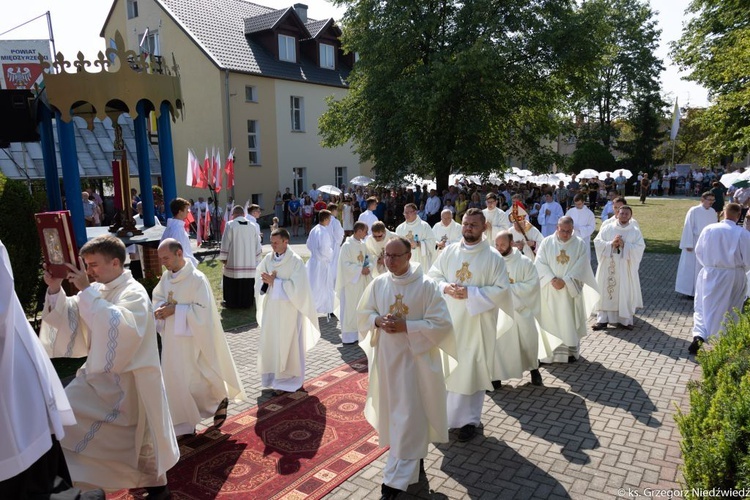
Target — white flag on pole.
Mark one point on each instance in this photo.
(675, 120)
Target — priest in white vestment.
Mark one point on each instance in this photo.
(33, 404)
(404, 324)
(337, 233)
(619, 250)
(568, 290)
(472, 276)
(320, 266)
(696, 219)
(240, 253)
(584, 221)
(286, 316)
(420, 234)
(354, 274)
(723, 251)
(447, 231)
(549, 214)
(520, 346)
(526, 237)
(199, 372)
(497, 220)
(180, 208)
(123, 437)
(375, 243)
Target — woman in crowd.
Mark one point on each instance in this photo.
(308, 211)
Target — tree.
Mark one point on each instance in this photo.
(444, 86)
(591, 154)
(645, 119)
(715, 49)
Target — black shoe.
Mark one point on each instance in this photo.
(467, 432)
(626, 327)
(350, 343)
(599, 326)
(496, 384)
(388, 492)
(158, 493)
(536, 378)
(697, 343)
(572, 359)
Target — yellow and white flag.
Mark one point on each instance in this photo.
(675, 120)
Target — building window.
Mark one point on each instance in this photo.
(297, 106)
(251, 93)
(132, 9)
(341, 177)
(287, 46)
(253, 142)
(257, 199)
(326, 56)
(149, 43)
(299, 180)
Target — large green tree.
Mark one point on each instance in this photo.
(715, 49)
(442, 85)
(647, 132)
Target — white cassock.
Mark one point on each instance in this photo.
(287, 319)
(449, 234)
(406, 399)
(498, 221)
(549, 222)
(376, 251)
(530, 233)
(420, 231)
(369, 218)
(723, 250)
(520, 348)
(687, 271)
(617, 273)
(176, 229)
(351, 284)
(584, 224)
(320, 268)
(337, 234)
(565, 311)
(32, 402)
(198, 368)
(124, 436)
(478, 322)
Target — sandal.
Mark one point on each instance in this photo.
(221, 413)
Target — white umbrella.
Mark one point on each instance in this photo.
(603, 175)
(588, 173)
(361, 180)
(524, 173)
(624, 172)
(329, 189)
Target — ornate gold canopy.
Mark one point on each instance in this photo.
(125, 79)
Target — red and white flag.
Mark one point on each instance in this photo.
(229, 169)
(206, 170)
(193, 175)
(216, 169)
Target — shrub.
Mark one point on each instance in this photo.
(716, 432)
(19, 235)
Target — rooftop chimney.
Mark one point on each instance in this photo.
(301, 10)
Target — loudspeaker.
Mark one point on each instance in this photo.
(17, 117)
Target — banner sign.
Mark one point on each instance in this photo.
(19, 62)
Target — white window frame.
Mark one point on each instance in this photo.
(152, 43)
(297, 113)
(340, 176)
(132, 8)
(251, 93)
(253, 136)
(287, 48)
(327, 56)
(299, 180)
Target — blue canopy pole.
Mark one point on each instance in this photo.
(144, 169)
(51, 179)
(166, 156)
(71, 177)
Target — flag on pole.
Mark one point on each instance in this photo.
(206, 171)
(192, 177)
(188, 220)
(229, 169)
(217, 170)
(675, 120)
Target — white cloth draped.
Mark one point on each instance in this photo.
(320, 267)
(376, 251)
(498, 221)
(549, 221)
(449, 234)
(584, 224)
(351, 284)
(530, 233)
(696, 219)
(419, 230)
(240, 249)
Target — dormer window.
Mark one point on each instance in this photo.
(287, 45)
(327, 56)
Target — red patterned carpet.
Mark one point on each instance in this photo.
(295, 446)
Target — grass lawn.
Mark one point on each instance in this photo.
(661, 220)
(230, 318)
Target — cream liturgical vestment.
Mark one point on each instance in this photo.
(549, 222)
(449, 234)
(617, 273)
(565, 311)
(406, 400)
(687, 271)
(420, 231)
(584, 224)
(520, 347)
(124, 436)
(287, 319)
(198, 368)
(33, 404)
(320, 269)
(498, 220)
(530, 233)
(376, 251)
(351, 284)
